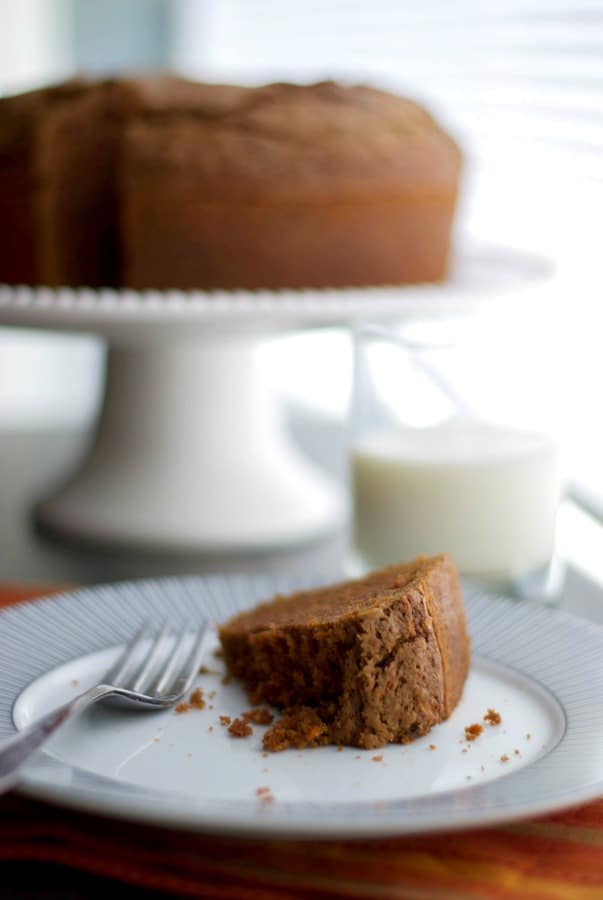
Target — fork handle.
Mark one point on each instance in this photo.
(16, 751)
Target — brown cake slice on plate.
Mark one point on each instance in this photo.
(368, 662)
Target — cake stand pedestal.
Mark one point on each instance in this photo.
(189, 452)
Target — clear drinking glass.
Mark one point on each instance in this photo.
(455, 447)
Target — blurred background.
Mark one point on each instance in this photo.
(520, 83)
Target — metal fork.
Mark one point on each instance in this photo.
(157, 680)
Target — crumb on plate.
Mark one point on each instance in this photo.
(297, 728)
(472, 732)
(196, 699)
(240, 729)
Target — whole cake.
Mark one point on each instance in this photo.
(368, 662)
(159, 182)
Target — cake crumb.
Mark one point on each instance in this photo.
(298, 727)
(464, 750)
(432, 747)
(225, 720)
(259, 715)
(205, 670)
(504, 758)
(211, 695)
(472, 732)
(492, 717)
(218, 653)
(265, 755)
(240, 729)
(516, 752)
(377, 758)
(74, 682)
(211, 728)
(211, 706)
(528, 736)
(340, 749)
(196, 699)
(265, 794)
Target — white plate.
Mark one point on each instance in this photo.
(539, 668)
(479, 274)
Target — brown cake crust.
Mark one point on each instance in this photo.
(377, 660)
(20, 117)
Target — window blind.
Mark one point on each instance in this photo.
(520, 83)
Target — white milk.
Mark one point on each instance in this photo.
(485, 494)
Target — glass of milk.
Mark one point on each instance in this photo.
(453, 449)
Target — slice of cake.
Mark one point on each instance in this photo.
(368, 662)
(61, 152)
(21, 180)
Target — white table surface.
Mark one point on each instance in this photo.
(31, 462)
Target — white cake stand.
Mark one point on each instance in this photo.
(189, 451)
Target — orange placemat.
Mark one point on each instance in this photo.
(558, 856)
